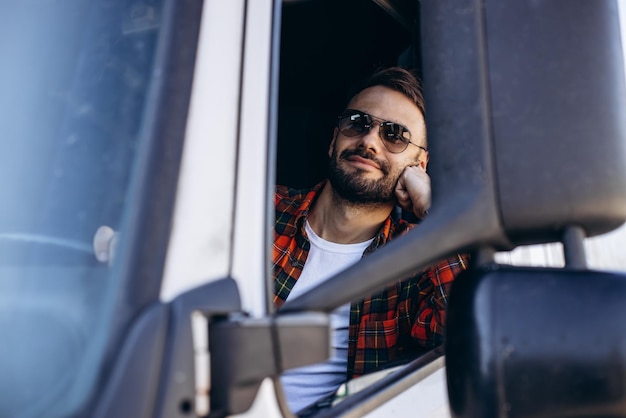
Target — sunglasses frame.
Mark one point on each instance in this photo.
(375, 122)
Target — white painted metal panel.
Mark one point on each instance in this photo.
(427, 399)
(250, 247)
(201, 238)
(264, 405)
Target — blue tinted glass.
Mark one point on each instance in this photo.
(74, 78)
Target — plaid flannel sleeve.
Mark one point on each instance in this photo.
(433, 287)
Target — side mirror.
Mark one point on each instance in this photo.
(527, 119)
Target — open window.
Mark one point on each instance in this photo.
(326, 48)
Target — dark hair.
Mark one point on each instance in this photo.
(398, 79)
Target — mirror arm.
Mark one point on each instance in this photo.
(574, 248)
(245, 351)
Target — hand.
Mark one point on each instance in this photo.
(413, 191)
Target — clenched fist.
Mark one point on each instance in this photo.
(413, 191)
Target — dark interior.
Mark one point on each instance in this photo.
(326, 47)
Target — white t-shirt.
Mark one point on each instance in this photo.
(305, 385)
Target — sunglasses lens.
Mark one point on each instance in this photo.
(354, 124)
(396, 137)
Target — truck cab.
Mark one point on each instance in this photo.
(142, 144)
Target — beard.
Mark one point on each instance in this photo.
(354, 188)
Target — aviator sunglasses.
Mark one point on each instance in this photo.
(395, 137)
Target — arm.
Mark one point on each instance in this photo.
(434, 286)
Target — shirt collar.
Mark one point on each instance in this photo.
(302, 213)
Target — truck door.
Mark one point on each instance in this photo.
(94, 115)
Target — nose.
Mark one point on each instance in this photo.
(371, 139)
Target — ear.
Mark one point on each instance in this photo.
(332, 143)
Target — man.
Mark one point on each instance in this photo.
(378, 157)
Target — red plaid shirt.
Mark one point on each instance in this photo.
(401, 322)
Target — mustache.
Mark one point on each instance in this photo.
(364, 154)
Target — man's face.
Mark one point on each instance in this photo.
(362, 170)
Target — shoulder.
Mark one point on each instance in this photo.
(287, 199)
(286, 193)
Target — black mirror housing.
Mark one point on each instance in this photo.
(526, 113)
(537, 342)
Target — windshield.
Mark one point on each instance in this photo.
(74, 80)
